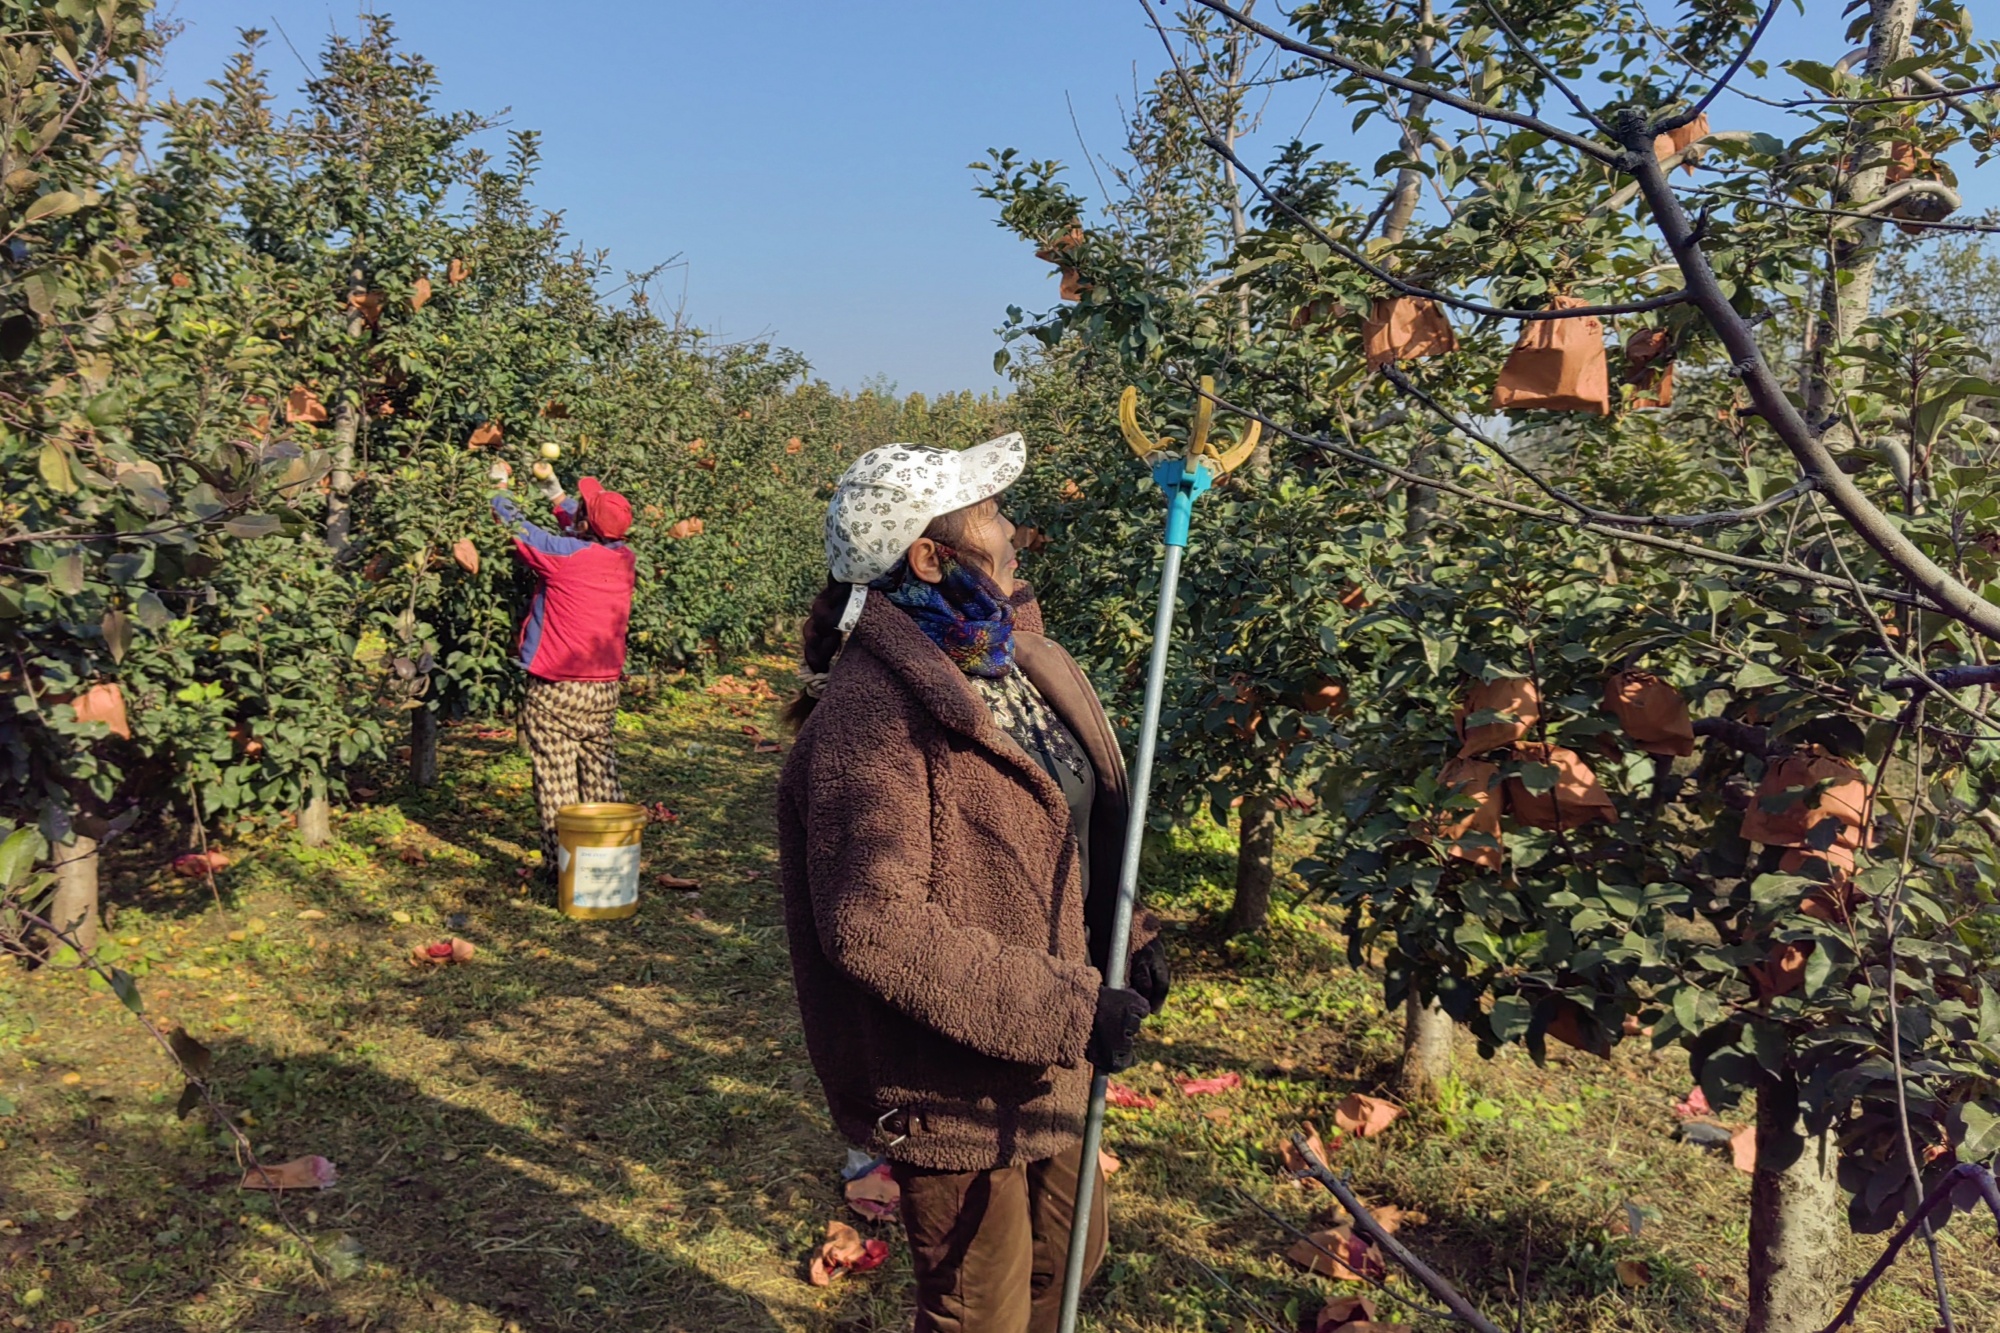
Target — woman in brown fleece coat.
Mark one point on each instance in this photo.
(951, 824)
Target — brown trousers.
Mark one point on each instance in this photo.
(989, 1247)
(568, 725)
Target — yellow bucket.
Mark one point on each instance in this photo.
(598, 859)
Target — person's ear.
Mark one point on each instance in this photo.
(924, 562)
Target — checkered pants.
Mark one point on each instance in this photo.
(568, 727)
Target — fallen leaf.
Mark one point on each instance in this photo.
(301, 1173)
(1107, 1164)
(1293, 1161)
(1117, 1094)
(874, 1194)
(1743, 1149)
(1633, 1273)
(312, 914)
(1338, 1253)
(1367, 1116)
(1199, 1087)
(767, 747)
(676, 883)
(195, 864)
(1695, 1105)
(1343, 1311)
(1393, 1219)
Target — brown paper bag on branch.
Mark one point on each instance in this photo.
(1404, 328)
(1652, 712)
(1574, 801)
(1557, 366)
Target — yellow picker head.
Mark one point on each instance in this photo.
(1200, 453)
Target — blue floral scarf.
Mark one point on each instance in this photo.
(964, 613)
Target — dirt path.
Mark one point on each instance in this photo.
(614, 1126)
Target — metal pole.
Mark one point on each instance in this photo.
(1182, 501)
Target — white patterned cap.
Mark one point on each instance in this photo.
(884, 502)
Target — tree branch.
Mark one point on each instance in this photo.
(1365, 1223)
(1381, 274)
(1736, 735)
(1689, 116)
(1965, 1172)
(1946, 678)
(1796, 573)
(1529, 55)
(1720, 518)
(1951, 596)
(1323, 56)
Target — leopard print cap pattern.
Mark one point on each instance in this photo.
(889, 495)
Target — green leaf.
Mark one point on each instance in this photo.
(152, 612)
(1510, 1017)
(252, 525)
(1755, 676)
(117, 631)
(18, 854)
(55, 204)
(1982, 1133)
(127, 990)
(66, 575)
(54, 467)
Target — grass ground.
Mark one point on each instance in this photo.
(613, 1126)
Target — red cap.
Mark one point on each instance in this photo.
(610, 513)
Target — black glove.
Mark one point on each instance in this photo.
(1115, 1028)
(1149, 975)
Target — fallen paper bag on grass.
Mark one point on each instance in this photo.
(1117, 1094)
(301, 1173)
(194, 864)
(844, 1251)
(874, 1194)
(1366, 1116)
(1200, 1087)
(1338, 1253)
(441, 952)
(1743, 1149)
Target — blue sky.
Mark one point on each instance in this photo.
(807, 158)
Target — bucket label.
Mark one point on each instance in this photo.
(605, 876)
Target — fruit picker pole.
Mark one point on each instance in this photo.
(1183, 479)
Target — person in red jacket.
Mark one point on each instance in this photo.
(572, 643)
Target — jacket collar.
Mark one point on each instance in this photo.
(894, 640)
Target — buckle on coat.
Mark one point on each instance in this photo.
(900, 1128)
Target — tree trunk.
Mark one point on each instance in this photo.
(424, 746)
(1256, 865)
(1849, 292)
(1429, 1036)
(74, 908)
(346, 431)
(1796, 1220)
(316, 819)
